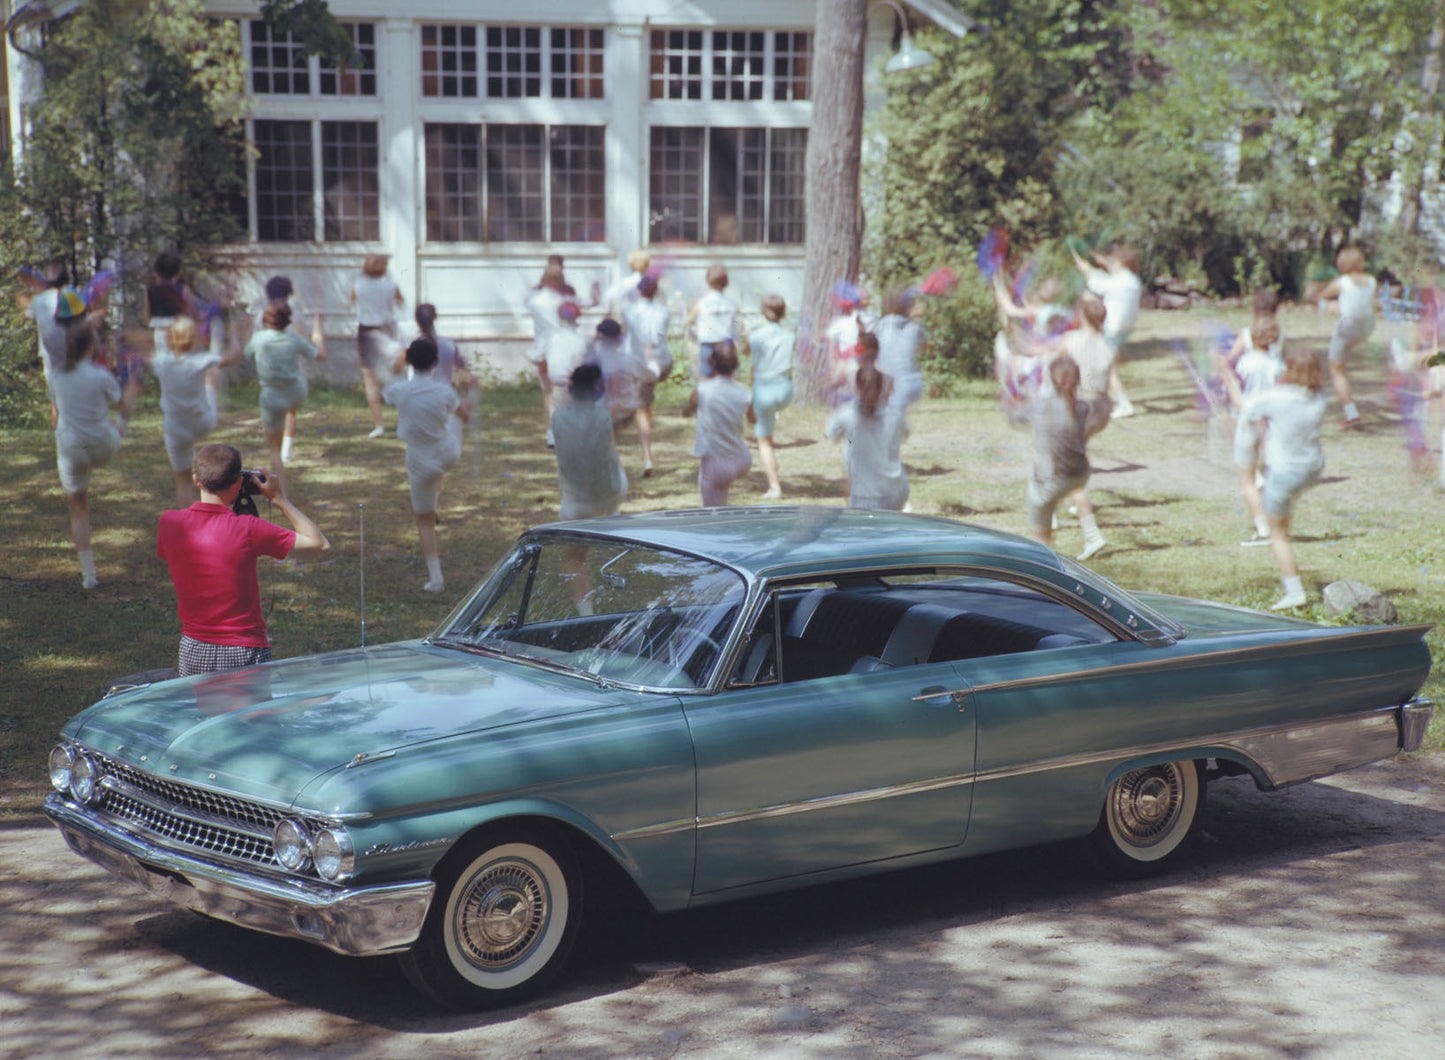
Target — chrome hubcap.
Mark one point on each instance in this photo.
(501, 914)
(1146, 803)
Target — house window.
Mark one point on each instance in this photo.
(726, 185)
(285, 207)
(792, 65)
(279, 67)
(513, 62)
(515, 183)
(576, 64)
(733, 65)
(342, 80)
(739, 63)
(286, 181)
(351, 199)
(449, 61)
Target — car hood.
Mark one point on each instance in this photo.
(1203, 617)
(266, 731)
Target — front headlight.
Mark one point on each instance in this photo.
(84, 779)
(62, 760)
(292, 846)
(335, 858)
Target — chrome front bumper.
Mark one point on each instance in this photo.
(357, 922)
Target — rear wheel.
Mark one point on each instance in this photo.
(504, 919)
(1149, 818)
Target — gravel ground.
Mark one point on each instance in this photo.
(1309, 925)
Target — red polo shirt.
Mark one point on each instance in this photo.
(212, 555)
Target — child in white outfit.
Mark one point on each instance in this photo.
(188, 398)
(429, 418)
(722, 405)
(873, 430)
(1355, 289)
(376, 296)
(589, 473)
(1293, 411)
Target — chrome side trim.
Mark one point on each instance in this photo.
(1287, 754)
(1305, 646)
(356, 921)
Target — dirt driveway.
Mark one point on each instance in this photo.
(1311, 924)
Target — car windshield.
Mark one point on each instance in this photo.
(615, 610)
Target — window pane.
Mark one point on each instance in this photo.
(739, 62)
(785, 185)
(577, 64)
(348, 179)
(514, 62)
(675, 193)
(453, 183)
(449, 61)
(579, 184)
(344, 81)
(515, 183)
(792, 65)
(278, 66)
(284, 182)
(677, 64)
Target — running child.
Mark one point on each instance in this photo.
(376, 296)
(429, 419)
(589, 474)
(872, 430)
(278, 353)
(188, 398)
(1355, 290)
(645, 324)
(1061, 462)
(715, 317)
(1115, 279)
(772, 347)
(1289, 415)
(722, 405)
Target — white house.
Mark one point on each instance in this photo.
(480, 137)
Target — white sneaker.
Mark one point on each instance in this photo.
(1289, 601)
(773, 495)
(377, 432)
(1124, 408)
(1091, 548)
(89, 582)
(285, 450)
(432, 587)
(1255, 541)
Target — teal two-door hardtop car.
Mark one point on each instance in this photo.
(720, 703)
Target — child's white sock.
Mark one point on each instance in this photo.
(1351, 413)
(434, 582)
(286, 441)
(1261, 526)
(1293, 586)
(88, 579)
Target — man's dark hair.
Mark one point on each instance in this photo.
(276, 316)
(724, 357)
(278, 288)
(422, 354)
(168, 265)
(585, 383)
(609, 329)
(217, 466)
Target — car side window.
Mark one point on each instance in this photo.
(880, 622)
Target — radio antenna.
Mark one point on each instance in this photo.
(361, 518)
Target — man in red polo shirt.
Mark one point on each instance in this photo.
(212, 552)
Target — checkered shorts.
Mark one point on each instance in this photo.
(198, 657)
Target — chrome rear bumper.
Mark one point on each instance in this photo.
(1414, 720)
(357, 921)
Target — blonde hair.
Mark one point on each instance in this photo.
(1302, 368)
(638, 260)
(774, 308)
(1351, 259)
(181, 336)
(375, 264)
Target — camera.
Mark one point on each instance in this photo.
(245, 503)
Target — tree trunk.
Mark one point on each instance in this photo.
(835, 144)
(1429, 86)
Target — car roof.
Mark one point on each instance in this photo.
(760, 539)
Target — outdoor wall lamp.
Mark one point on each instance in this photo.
(909, 56)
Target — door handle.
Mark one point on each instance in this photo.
(959, 696)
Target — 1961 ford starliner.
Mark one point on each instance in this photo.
(719, 703)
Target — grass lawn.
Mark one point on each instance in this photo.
(1163, 483)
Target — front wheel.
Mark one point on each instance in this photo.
(1149, 818)
(504, 919)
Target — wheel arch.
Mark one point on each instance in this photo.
(1237, 762)
(606, 866)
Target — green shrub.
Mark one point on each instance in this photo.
(961, 327)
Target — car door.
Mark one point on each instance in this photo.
(802, 776)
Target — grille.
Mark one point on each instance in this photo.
(192, 798)
(191, 833)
